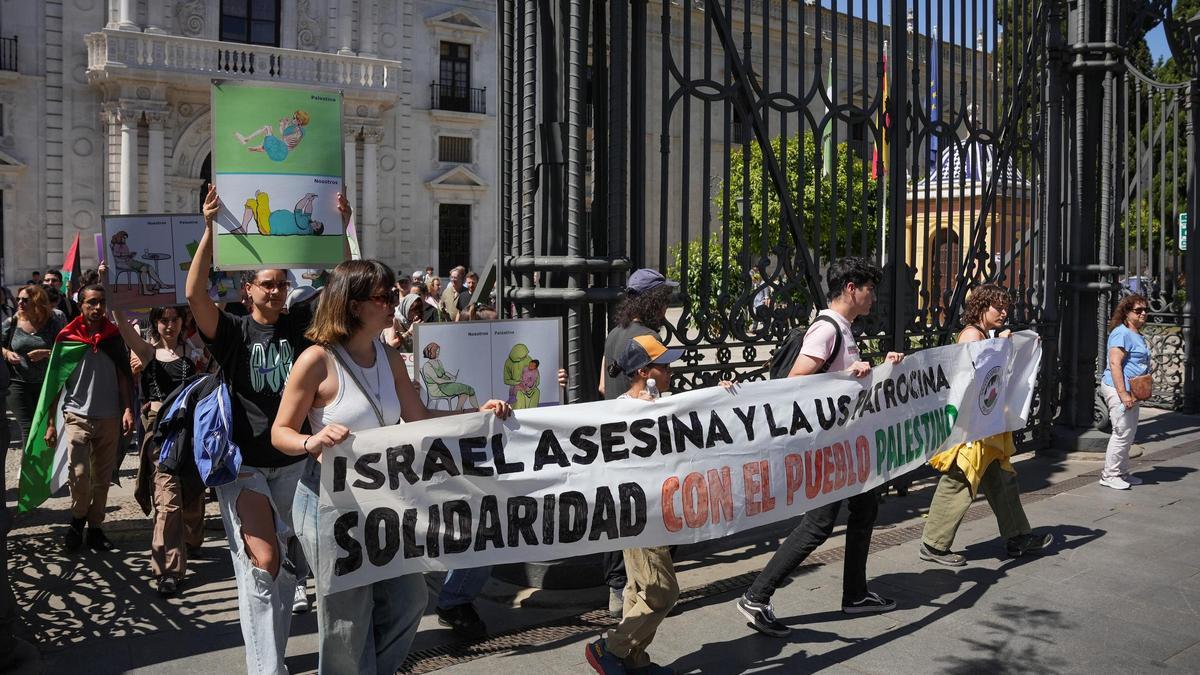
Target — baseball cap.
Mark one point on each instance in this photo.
(644, 350)
(646, 280)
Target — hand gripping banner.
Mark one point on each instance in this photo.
(471, 490)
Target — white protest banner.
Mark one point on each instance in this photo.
(464, 491)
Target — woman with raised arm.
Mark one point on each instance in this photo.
(178, 494)
(349, 381)
(967, 467)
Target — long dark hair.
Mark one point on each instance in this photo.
(156, 315)
(1124, 307)
(650, 308)
(351, 280)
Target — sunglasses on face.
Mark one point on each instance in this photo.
(272, 286)
(1139, 310)
(388, 297)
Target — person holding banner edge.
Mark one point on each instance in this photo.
(349, 381)
(852, 282)
(256, 353)
(985, 463)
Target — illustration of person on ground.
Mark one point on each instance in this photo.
(126, 260)
(291, 132)
(440, 384)
(280, 223)
(529, 395)
(514, 373)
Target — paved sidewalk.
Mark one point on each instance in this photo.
(1118, 592)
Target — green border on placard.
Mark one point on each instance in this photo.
(239, 252)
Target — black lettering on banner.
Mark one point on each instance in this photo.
(878, 386)
(717, 431)
(549, 452)
(889, 393)
(902, 387)
(604, 515)
(469, 452)
(799, 420)
(843, 409)
(548, 521)
(579, 439)
(522, 514)
(399, 463)
(775, 430)
(664, 434)
(433, 535)
(639, 430)
(437, 460)
(339, 473)
(825, 422)
(457, 516)
(503, 466)
(409, 529)
(859, 403)
(942, 382)
(343, 535)
(370, 478)
(572, 517)
(633, 509)
(692, 431)
(611, 438)
(489, 524)
(378, 553)
(747, 419)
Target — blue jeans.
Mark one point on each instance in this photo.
(264, 602)
(368, 629)
(461, 586)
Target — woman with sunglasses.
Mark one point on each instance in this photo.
(349, 381)
(28, 338)
(1128, 357)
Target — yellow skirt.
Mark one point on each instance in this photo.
(260, 204)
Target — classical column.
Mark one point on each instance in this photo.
(155, 162)
(345, 26)
(154, 16)
(368, 27)
(129, 159)
(350, 159)
(125, 11)
(370, 191)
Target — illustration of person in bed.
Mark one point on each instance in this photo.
(280, 223)
(291, 132)
(126, 261)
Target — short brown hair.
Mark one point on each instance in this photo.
(1124, 307)
(39, 307)
(982, 297)
(351, 280)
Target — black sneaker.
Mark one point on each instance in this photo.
(941, 557)
(761, 617)
(872, 603)
(73, 539)
(167, 586)
(1027, 543)
(97, 541)
(463, 620)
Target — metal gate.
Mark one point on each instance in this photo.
(741, 145)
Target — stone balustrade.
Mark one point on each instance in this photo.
(110, 51)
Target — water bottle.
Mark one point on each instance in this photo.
(652, 388)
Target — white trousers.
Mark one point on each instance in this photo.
(1124, 427)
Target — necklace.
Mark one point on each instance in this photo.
(376, 391)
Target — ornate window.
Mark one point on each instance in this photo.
(254, 22)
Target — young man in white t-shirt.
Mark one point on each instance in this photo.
(852, 284)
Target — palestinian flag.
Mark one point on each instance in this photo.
(44, 469)
(70, 266)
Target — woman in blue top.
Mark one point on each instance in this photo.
(1128, 357)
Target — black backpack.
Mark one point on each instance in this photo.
(787, 351)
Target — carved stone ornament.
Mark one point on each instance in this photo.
(190, 17)
(307, 27)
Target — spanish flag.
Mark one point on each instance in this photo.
(44, 469)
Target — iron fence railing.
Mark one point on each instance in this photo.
(458, 98)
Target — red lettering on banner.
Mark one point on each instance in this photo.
(672, 521)
(812, 473)
(752, 488)
(851, 473)
(862, 448)
(764, 471)
(720, 494)
(827, 460)
(839, 460)
(695, 500)
(793, 469)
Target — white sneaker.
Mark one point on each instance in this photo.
(300, 604)
(1131, 479)
(1117, 483)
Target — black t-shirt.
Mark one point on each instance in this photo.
(256, 360)
(614, 344)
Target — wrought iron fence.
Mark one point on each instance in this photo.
(458, 98)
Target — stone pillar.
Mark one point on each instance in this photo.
(370, 191)
(155, 14)
(368, 21)
(350, 160)
(345, 27)
(129, 159)
(155, 164)
(126, 13)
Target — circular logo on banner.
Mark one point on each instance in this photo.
(989, 393)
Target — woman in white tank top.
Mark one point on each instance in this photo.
(347, 382)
